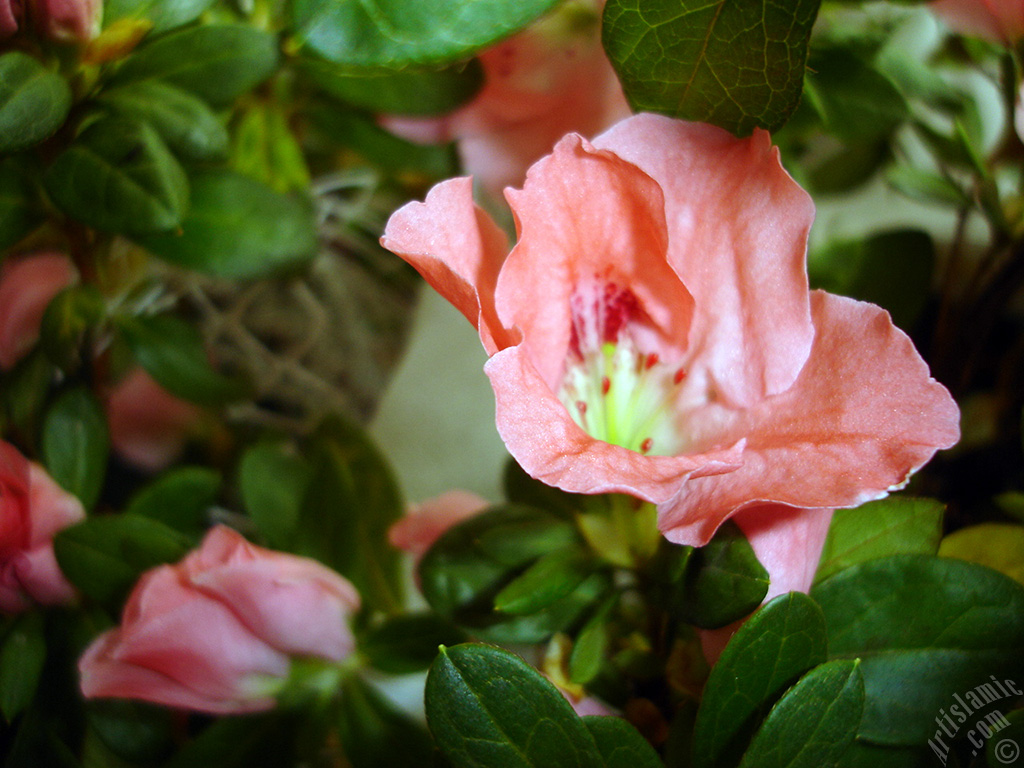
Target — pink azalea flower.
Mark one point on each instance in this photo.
(10, 17)
(217, 631)
(424, 523)
(1001, 21)
(539, 85)
(652, 332)
(68, 20)
(27, 285)
(33, 508)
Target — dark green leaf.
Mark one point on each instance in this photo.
(848, 167)
(591, 645)
(723, 581)
(559, 616)
(185, 123)
(864, 755)
(814, 723)
(165, 14)
(896, 525)
(22, 656)
(272, 478)
(736, 65)
(777, 645)
(924, 627)
(264, 740)
(67, 321)
(173, 353)
(132, 730)
(927, 186)
(520, 488)
(33, 101)
(398, 91)
(397, 32)
(376, 735)
(487, 708)
(104, 556)
(620, 744)
(408, 643)
(180, 498)
(1005, 747)
(548, 579)
(75, 443)
(25, 389)
(119, 176)
(19, 207)
(351, 502)
(217, 62)
(238, 228)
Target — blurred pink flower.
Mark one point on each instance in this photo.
(652, 332)
(999, 20)
(33, 508)
(68, 20)
(27, 285)
(148, 425)
(217, 631)
(424, 523)
(10, 17)
(539, 85)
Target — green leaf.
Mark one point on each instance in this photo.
(487, 708)
(777, 645)
(165, 14)
(119, 176)
(590, 645)
(185, 123)
(33, 101)
(75, 443)
(814, 723)
(620, 744)
(20, 211)
(351, 502)
(173, 353)
(238, 228)
(26, 388)
(847, 168)
(134, 731)
(736, 65)
(217, 62)
(895, 525)
(180, 498)
(264, 148)
(923, 627)
(272, 479)
(398, 91)
(1004, 747)
(395, 33)
(548, 579)
(723, 581)
(408, 643)
(999, 546)
(104, 556)
(69, 318)
(374, 734)
(22, 656)
(265, 740)
(926, 186)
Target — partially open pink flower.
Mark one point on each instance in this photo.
(33, 508)
(538, 85)
(68, 20)
(217, 631)
(999, 20)
(652, 332)
(424, 523)
(27, 285)
(148, 425)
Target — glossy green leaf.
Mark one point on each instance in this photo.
(487, 708)
(272, 479)
(75, 443)
(165, 14)
(238, 228)
(398, 91)
(620, 744)
(186, 124)
(351, 501)
(408, 643)
(180, 498)
(559, 616)
(736, 65)
(20, 211)
(119, 176)
(264, 148)
(896, 525)
(33, 101)
(104, 556)
(814, 723)
(723, 581)
(923, 627)
(550, 578)
(397, 32)
(217, 62)
(173, 353)
(374, 734)
(999, 546)
(777, 645)
(22, 656)
(590, 645)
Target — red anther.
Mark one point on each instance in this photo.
(606, 384)
(646, 445)
(651, 361)
(680, 375)
(581, 407)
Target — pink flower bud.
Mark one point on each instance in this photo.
(33, 508)
(1001, 21)
(424, 523)
(10, 17)
(27, 285)
(217, 631)
(68, 20)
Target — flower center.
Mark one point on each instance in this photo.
(615, 389)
